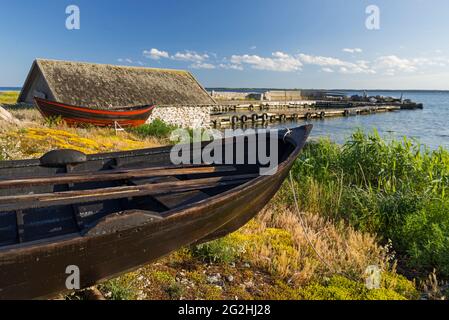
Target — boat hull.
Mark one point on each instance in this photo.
(74, 115)
(39, 270)
(101, 257)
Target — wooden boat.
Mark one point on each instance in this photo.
(74, 115)
(111, 213)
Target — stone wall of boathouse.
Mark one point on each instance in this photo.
(183, 116)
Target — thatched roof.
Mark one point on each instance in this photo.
(97, 85)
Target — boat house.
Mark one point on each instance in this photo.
(180, 98)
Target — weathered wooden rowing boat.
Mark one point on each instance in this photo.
(75, 115)
(111, 213)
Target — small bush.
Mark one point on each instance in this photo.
(119, 289)
(174, 291)
(219, 251)
(157, 128)
(425, 237)
(400, 284)
(168, 284)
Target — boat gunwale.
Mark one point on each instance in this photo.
(115, 155)
(135, 110)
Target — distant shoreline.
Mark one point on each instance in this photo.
(10, 89)
(268, 89)
(343, 90)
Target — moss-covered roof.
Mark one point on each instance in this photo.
(99, 85)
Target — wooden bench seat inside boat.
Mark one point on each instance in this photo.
(172, 201)
(121, 221)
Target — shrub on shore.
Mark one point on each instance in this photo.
(157, 128)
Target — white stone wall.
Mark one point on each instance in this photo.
(184, 117)
(225, 95)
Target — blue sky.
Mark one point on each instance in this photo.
(246, 43)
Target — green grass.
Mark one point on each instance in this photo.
(9, 97)
(219, 251)
(158, 129)
(397, 189)
(119, 289)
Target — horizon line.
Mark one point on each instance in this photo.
(280, 88)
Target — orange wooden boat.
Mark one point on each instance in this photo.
(75, 115)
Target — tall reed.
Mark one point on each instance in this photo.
(383, 187)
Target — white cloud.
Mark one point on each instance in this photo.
(392, 64)
(279, 61)
(345, 67)
(253, 47)
(156, 54)
(191, 56)
(352, 50)
(280, 55)
(201, 65)
(320, 61)
(231, 66)
(127, 60)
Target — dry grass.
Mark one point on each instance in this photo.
(33, 142)
(26, 114)
(433, 289)
(35, 136)
(275, 262)
(278, 244)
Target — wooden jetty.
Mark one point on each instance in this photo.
(271, 116)
(247, 113)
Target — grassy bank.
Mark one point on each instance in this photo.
(8, 97)
(270, 258)
(397, 190)
(37, 136)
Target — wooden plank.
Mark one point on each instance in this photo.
(92, 192)
(11, 203)
(111, 175)
(75, 208)
(20, 226)
(178, 199)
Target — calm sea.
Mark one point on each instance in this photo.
(9, 89)
(429, 126)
